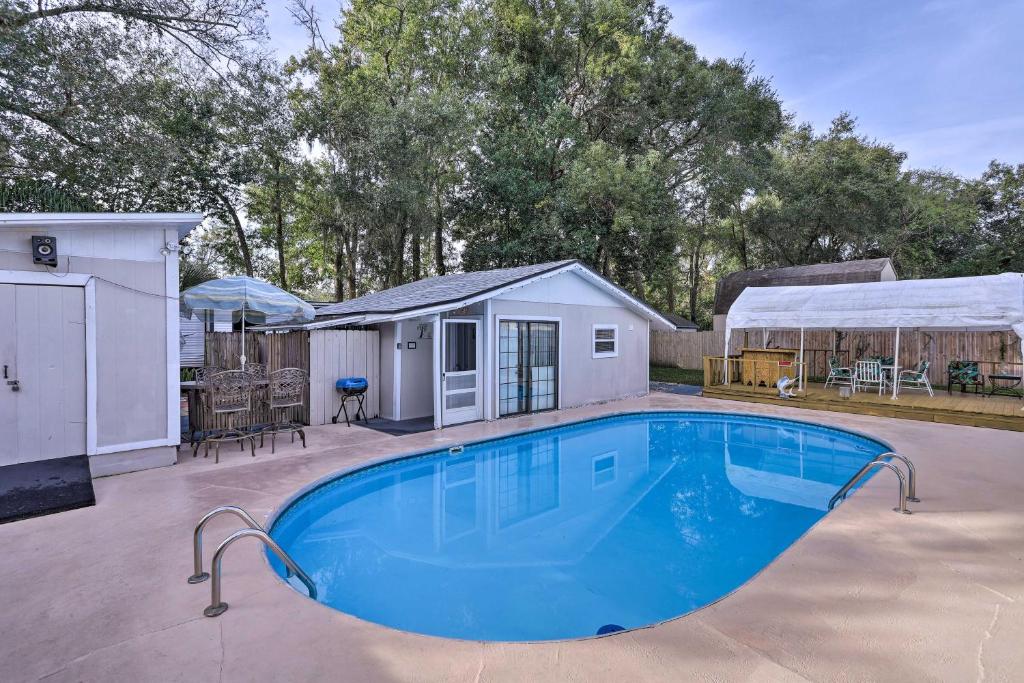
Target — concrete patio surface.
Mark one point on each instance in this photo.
(99, 594)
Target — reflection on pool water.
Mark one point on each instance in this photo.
(612, 523)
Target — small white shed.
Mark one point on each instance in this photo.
(76, 378)
(489, 344)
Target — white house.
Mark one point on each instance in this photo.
(78, 378)
(487, 344)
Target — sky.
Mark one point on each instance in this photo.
(942, 80)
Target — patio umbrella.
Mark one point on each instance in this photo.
(246, 295)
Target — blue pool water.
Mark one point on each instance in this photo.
(561, 533)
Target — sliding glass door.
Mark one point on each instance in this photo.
(527, 366)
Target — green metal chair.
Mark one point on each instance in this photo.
(837, 374)
(964, 373)
(915, 379)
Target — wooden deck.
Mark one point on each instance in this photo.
(998, 412)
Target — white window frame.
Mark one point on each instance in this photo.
(593, 340)
(495, 361)
(614, 455)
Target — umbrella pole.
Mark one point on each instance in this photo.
(243, 336)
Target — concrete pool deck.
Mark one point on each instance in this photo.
(99, 594)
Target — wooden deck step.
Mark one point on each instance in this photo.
(997, 412)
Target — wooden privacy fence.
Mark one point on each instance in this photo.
(335, 354)
(1001, 350)
(327, 355)
(687, 349)
(276, 351)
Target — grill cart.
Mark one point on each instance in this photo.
(353, 388)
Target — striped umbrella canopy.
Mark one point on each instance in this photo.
(244, 294)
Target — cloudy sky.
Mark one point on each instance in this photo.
(942, 80)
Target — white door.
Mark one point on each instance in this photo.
(42, 372)
(461, 376)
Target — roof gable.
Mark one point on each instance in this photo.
(732, 285)
(445, 292)
(436, 291)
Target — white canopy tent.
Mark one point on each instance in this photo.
(987, 303)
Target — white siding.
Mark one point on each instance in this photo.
(192, 334)
(42, 343)
(417, 369)
(585, 379)
(334, 354)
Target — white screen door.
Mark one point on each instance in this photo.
(461, 372)
(42, 372)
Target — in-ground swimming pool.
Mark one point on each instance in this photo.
(566, 532)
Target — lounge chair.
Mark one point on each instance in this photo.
(915, 379)
(837, 374)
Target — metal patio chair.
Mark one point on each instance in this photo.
(868, 373)
(286, 389)
(199, 403)
(230, 397)
(915, 379)
(837, 374)
(257, 373)
(204, 373)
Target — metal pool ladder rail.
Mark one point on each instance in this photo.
(908, 489)
(218, 606)
(198, 575)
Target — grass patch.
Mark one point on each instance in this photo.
(660, 373)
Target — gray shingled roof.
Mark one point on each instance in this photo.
(731, 286)
(435, 291)
(679, 321)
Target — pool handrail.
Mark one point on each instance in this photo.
(217, 606)
(198, 575)
(911, 474)
(841, 493)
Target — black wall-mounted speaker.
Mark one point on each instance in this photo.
(44, 250)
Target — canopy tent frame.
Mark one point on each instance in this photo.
(988, 303)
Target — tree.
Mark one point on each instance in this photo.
(388, 110)
(600, 96)
(1001, 220)
(826, 198)
(101, 100)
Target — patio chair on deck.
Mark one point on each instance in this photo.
(868, 373)
(838, 375)
(286, 390)
(230, 397)
(915, 379)
(965, 373)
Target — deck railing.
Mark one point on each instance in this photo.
(751, 374)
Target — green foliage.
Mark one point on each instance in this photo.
(673, 375)
(445, 134)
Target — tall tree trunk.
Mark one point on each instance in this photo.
(339, 267)
(243, 244)
(695, 280)
(670, 290)
(438, 233)
(352, 252)
(416, 256)
(741, 239)
(279, 220)
(398, 258)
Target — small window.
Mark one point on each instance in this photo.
(606, 341)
